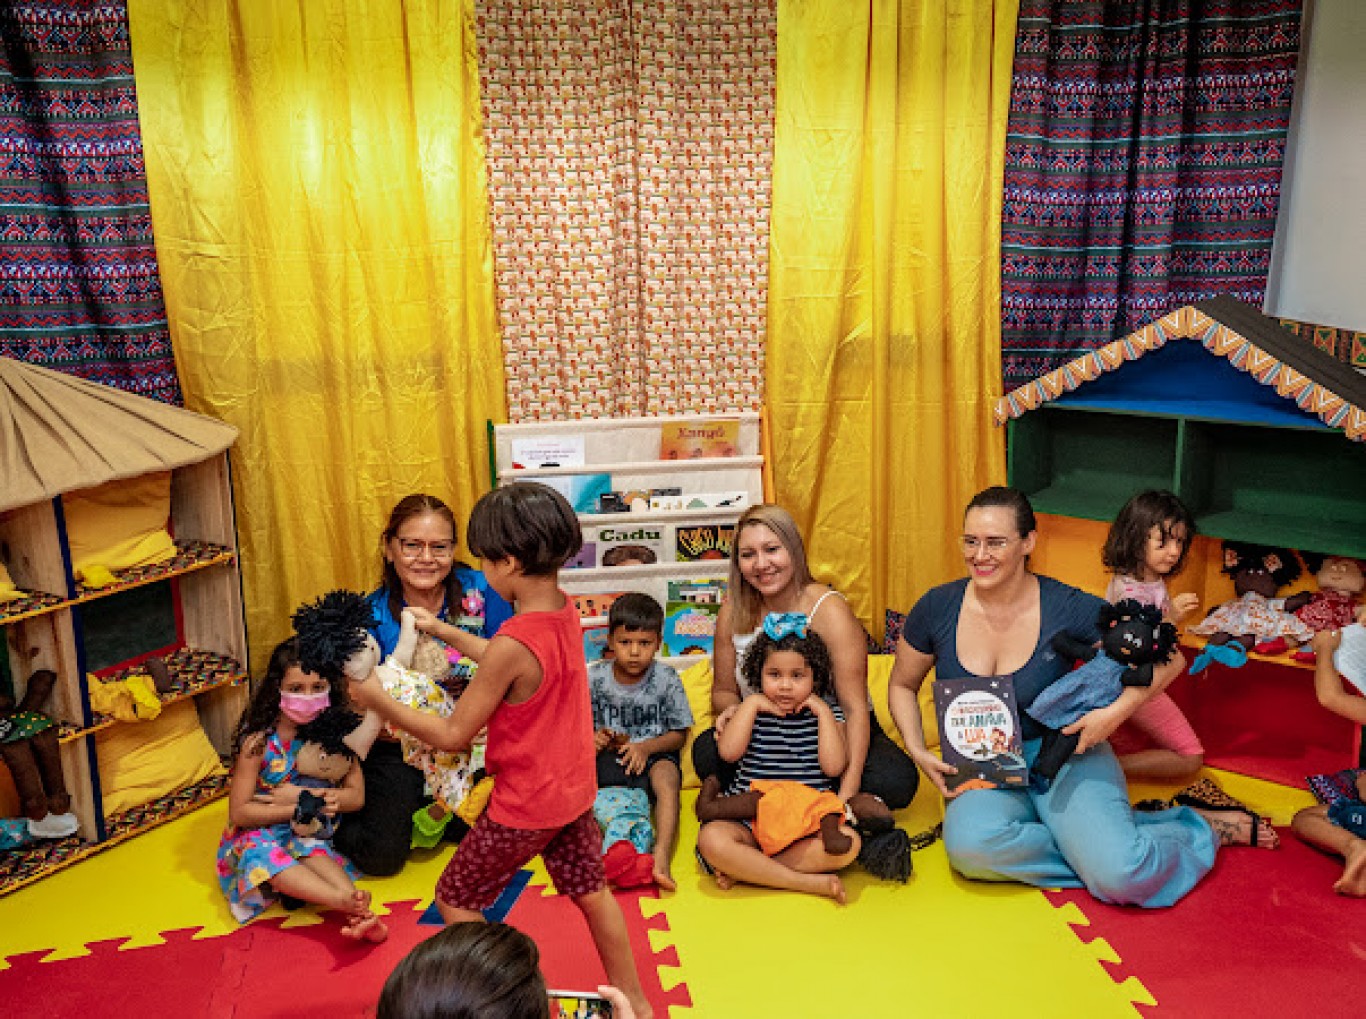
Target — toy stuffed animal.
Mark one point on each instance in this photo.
(1134, 638)
(334, 641)
(1334, 605)
(322, 762)
(29, 748)
(1255, 620)
(784, 812)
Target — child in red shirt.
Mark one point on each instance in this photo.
(531, 689)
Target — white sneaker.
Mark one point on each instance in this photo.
(54, 826)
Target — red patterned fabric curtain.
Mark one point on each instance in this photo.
(629, 154)
(79, 286)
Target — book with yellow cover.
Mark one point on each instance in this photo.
(694, 440)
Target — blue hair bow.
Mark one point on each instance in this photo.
(780, 624)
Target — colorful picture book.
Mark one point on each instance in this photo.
(703, 541)
(700, 591)
(979, 732)
(582, 491)
(595, 642)
(586, 559)
(693, 440)
(629, 544)
(598, 603)
(690, 628)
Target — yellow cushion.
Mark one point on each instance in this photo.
(143, 761)
(697, 684)
(8, 592)
(119, 524)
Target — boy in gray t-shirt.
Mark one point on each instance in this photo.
(641, 718)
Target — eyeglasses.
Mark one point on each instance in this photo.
(411, 548)
(993, 546)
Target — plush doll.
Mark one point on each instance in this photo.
(1334, 605)
(1256, 620)
(784, 812)
(29, 748)
(322, 762)
(1133, 639)
(335, 641)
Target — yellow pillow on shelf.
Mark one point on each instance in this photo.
(8, 590)
(119, 525)
(144, 762)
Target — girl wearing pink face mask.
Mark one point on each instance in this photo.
(259, 856)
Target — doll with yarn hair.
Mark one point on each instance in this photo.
(1256, 620)
(1336, 603)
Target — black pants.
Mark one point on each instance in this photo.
(888, 773)
(378, 837)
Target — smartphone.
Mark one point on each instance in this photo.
(579, 1005)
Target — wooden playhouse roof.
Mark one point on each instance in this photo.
(1301, 375)
(60, 433)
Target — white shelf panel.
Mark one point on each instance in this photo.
(714, 515)
(625, 575)
(706, 464)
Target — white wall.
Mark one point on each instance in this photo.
(1318, 262)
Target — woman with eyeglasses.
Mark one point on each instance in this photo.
(1081, 832)
(420, 572)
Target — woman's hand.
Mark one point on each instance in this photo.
(936, 771)
(1095, 726)
(723, 719)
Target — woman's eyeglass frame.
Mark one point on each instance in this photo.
(414, 548)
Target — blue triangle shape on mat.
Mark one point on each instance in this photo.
(494, 914)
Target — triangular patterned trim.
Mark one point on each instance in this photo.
(1189, 323)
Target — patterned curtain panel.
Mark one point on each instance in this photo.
(629, 152)
(79, 288)
(1143, 165)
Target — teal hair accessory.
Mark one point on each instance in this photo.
(781, 624)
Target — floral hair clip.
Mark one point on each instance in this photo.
(780, 624)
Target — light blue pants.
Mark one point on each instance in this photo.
(1081, 833)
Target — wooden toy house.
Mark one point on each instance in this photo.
(1262, 436)
(76, 455)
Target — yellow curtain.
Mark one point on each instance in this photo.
(884, 282)
(317, 184)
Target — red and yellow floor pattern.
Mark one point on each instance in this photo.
(142, 929)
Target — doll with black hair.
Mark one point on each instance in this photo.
(786, 734)
(1256, 620)
(322, 761)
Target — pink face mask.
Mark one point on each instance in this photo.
(302, 708)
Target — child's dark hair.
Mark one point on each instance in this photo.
(529, 522)
(468, 971)
(410, 506)
(810, 647)
(1245, 555)
(1126, 545)
(263, 711)
(330, 729)
(636, 611)
(999, 496)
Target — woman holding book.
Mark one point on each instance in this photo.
(768, 573)
(998, 621)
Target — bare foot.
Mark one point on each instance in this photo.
(664, 876)
(831, 887)
(359, 902)
(365, 927)
(724, 881)
(1234, 828)
(1353, 880)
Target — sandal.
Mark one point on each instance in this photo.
(1206, 795)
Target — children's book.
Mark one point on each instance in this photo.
(548, 451)
(595, 642)
(979, 732)
(703, 541)
(586, 559)
(693, 440)
(690, 627)
(629, 544)
(702, 591)
(599, 603)
(1350, 657)
(582, 491)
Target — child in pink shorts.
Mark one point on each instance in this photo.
(1147, 544)
(531, 690)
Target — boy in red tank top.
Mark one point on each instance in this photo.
(531, 689)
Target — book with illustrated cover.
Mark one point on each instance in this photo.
(595, 643)
(586, 559)
(703, 591)
(703, 541)
(979, 732)
(690, 628)
(629, 544)
(694, 440)
(599, 603)
(582, 491)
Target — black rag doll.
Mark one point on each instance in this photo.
(1255, 620)
(322, 762)
(29, 747)
(1134, 638)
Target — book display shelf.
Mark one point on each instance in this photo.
(672, 489)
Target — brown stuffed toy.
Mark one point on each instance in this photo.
(29, 748)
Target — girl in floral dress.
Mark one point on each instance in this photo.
(259, 856)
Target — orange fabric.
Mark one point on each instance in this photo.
(789, 811)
